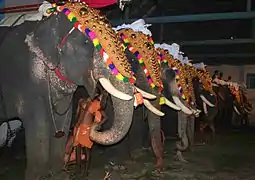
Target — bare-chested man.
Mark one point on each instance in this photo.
(88, 112)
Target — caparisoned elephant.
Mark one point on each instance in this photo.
(41, 65)
(153, 77)
(173, 59)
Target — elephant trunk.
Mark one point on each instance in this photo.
(123, 115)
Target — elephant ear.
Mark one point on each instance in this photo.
(49, 33)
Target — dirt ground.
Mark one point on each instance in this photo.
(231, 157)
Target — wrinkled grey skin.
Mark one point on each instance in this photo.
(24, 83)
(226, 102)
(225, 107)
(204, 118)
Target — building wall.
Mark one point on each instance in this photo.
(11, 3)
(238, 74)
(2, 5)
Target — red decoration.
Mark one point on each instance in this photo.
(99, 3)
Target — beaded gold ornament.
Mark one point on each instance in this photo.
(206, 80)
(190, 75)
(96, 26)
(142, 46)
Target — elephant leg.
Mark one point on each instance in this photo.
(37, 138)
(202, 126)
(58, 145)
(183, 143)
(87, 161)
(156, 142)
(78, 153)
(191, 131)
(213, 131)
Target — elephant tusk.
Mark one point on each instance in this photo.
(195, 112)
(236, 110)
(172, 105)
(247, 110)
(205, 108)
(178, 102)
(3, 134)
(215, 85)
(152, 108)
(206, 101)
(145, 94)
(199, 111)
(107, 85)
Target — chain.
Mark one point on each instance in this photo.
(52, 108)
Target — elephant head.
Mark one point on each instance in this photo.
(82, 51)
(145, 62)
(179, 84)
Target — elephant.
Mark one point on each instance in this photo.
(152, 77)
(232, 103)
(206, 101)
(183, 78)
(242, 109)
(51, 58)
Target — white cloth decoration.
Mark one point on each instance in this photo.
(137, 26)
(187, 61)
(35, 16)
(199, 65)
(173, 49)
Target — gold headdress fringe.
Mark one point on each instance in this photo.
(108, 38)
(141, 43)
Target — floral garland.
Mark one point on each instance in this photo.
(92, 35)
(206, 79)
(140, 60)
(177, 78)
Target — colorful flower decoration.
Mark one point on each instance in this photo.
(141, 62)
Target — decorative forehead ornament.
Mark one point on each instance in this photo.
(96, 26)
(137, 38)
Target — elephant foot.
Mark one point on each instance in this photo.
(159, 164)
(180, 157)
(117, 167)
(62, 175)
(190, 148)
(157, 147)
(31, 176)
(158, 173)
(35, 172)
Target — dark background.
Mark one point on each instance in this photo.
(181, 33)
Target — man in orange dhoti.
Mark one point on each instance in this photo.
(88, 112)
